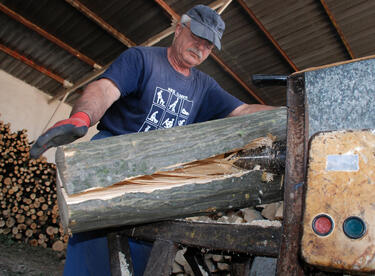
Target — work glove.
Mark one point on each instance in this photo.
(63, 132)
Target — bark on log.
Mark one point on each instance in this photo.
(164, 174)
(102, 163)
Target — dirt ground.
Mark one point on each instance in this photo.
(21, 259)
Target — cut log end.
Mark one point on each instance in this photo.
(58, 246)
(25, 187)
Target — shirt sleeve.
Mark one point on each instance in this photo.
(126, 71)
(217, 103)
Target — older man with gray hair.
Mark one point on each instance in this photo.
(146, 88)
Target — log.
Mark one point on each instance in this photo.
(102, 163)
(58, 246)
(144, 177)
(258, 240)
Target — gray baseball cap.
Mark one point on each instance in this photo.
(206, 23)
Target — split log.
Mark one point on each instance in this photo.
(163, 174)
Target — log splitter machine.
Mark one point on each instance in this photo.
(330, 170)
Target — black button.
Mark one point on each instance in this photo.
(354, 227)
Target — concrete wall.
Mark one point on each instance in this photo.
(26, 107)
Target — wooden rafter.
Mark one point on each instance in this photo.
(48, 36)
(267, 34)
(236, 77)
(176, 17)
(63, 92)
(32, 64)
(338, 29)
(224, 6)
(115, 33)
(219, 5)
(156, 38)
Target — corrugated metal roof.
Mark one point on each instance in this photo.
(302, 29)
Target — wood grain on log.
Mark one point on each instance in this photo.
(102, 163)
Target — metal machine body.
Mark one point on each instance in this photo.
(339, 218)
(339, 206)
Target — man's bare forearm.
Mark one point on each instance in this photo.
(97, 97)
(250, 108)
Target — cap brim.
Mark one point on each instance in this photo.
(203, 31)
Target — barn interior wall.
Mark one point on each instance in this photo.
(26, 107)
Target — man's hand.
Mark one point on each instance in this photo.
(63, 132)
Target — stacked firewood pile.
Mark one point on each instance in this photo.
(28, 203)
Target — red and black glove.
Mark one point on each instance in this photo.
(63, 132)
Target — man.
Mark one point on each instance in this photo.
(146, 88)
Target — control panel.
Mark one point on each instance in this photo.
(339, 214)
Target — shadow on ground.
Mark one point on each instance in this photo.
(22, 259)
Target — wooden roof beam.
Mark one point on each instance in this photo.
(48, 36)
(338, 29)
(156, 38)
(32, 64)
(115, 33)
(267, 34)
(85, 80)
(224, 6)
(176, 17)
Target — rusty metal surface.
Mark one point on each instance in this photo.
(289, 264)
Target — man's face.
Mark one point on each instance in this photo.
(191, 49)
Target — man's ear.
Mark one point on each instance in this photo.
(178, 30)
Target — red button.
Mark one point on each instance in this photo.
(322, 225)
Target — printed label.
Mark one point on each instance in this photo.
(343, 162)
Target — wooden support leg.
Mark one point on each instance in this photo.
(119, 255)
(161, 259)
(241, 265)
(194, 259)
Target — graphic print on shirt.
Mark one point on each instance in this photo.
(169, 109)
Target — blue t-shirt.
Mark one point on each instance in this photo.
(154, 95)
